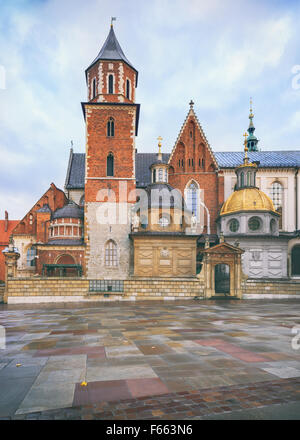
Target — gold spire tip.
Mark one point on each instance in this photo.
(159, 143)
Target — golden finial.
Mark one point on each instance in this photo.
(159, 144)
(112, 19)
(251, 114)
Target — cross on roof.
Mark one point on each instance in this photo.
(191, 103)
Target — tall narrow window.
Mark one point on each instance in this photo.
(192, 198)
(94, 88)
(31, 254)
(110, 165)
(127, 89)
(111, 254)
(111, 127)
(276, 196)
(110, 84)
(242, 180)
(248, 178)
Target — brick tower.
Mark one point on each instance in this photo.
(111, 117)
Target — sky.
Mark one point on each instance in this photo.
(218, 53)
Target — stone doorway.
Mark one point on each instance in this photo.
(222, 279)
(296, 261)
(222, 271)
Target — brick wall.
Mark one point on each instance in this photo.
(192, 159)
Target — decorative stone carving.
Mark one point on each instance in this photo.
(135, 222)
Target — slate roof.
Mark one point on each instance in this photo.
(76, 171)
(230, 159)
(64, 242)
(267, 159)
(111, 50)
(142, 167)
(71, 210)
(45, 208)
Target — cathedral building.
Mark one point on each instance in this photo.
(124, 214)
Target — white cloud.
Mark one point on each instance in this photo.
(208, 51)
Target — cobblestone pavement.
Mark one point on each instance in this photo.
(154, 360)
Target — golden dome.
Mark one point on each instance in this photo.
(247, 199)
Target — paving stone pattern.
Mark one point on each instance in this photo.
(182, 360)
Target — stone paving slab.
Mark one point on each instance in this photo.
(134, 352)
(218, 402)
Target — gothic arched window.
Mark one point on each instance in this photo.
(111, 127)
(192, 198)
(110, 165)
(127, 89)
(110, 84)
(111, 259)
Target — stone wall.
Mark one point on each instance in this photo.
(36, 290)
(2, 289)
(257, 288)
(39, 290)
(147, 288)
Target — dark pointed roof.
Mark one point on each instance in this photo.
(111, 50)
(71, 210)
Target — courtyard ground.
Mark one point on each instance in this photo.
(151, 360)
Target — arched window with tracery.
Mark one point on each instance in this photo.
(192, 198)
(277, 196)
(110, 165)
(111, 259)
(110, 127)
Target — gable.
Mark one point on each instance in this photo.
(192, 151)
(55, 198)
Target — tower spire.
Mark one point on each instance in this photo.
(252, 140)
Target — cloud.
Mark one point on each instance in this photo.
(208, 51)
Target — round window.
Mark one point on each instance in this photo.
(234, 225)
(254, 224)
(164, 222)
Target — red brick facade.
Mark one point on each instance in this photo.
(99, 146)
(121, 72)
(193, 160)
(37, 224)
(65, 255)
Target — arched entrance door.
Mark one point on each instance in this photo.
(222, 279)
(66, 259)
(296, 260)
